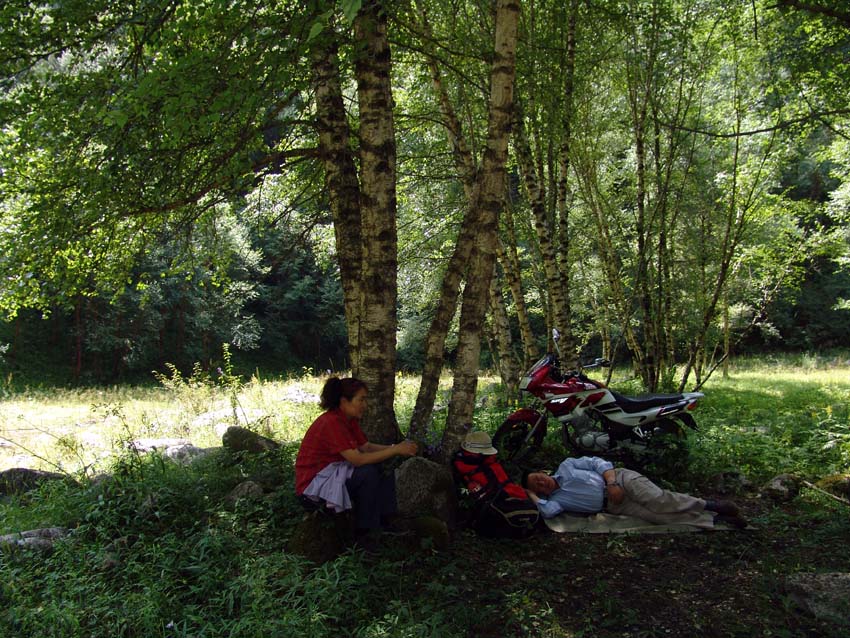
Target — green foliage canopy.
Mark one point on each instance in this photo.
(116, 117)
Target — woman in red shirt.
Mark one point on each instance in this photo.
(336, 437)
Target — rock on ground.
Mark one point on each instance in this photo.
(220, 420)
(20, 479)
(239, 439)
(838, 484)
(426, 488)
(41, 539)
(322, 536)
(824, 596)
(783, 487)
(246, 490)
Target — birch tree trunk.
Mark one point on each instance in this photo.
(544, 226)
(435, 340)
(507, 257)
(364, 208)
(611, 264)
(508, 365)
(378, 286)
(641, 74)
(569, 346)
(742, 200)
(489, 202)
(342, 183)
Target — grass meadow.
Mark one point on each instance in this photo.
(158, 551)
(768, 415)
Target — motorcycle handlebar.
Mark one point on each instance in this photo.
(599, 362)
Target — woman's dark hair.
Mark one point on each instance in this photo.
(335, 389)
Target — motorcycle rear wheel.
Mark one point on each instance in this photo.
(513, 442)
(663, 454)
(667, 452)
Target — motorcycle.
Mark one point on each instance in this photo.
(595, 420)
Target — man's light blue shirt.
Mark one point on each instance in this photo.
(581, 487)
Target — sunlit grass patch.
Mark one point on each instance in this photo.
(768, 415)
(771, 415)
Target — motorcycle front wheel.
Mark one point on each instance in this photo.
(514, 443)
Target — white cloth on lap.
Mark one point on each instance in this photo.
(329, 485)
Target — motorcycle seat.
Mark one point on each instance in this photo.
(630, 405)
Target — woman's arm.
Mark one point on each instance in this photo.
(368, 446)
(365, 455)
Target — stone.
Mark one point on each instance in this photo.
(40, 539)
(143, 446)
(176, 449)
(730, 483)
(149, 508)
(824, 596)
(837, 484)
(299, 395)
(246, 490)
(18, 480)
(110, 562)
(426, 488)
(782, 487)
(322, 536)
(186, 453)
(431, 530)
(239, 439)
(221, 419)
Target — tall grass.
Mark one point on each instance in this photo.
(777, 414)
(157, 550)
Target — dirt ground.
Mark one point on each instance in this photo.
(721, 583)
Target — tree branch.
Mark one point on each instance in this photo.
(768, 129)
(842, 16)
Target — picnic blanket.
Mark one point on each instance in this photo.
(605, 523)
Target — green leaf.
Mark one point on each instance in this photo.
(350, 9)
(315, 30)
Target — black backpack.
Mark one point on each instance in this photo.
(500, 507)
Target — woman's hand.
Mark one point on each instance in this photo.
(406, 448)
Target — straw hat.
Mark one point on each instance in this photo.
(478, 443)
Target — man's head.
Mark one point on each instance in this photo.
(540, 483)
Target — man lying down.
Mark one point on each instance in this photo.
(590, 485)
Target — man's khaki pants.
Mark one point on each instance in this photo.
(645, 500)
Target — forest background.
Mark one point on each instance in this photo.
(389, 186)
(415, 185)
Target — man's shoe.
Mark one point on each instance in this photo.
(723, 508)
(736, 521)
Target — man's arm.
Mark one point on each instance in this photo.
(591, 464)
(614, 492)
(547, 508)
(604, 468)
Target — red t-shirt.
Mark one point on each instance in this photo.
(329, 435)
